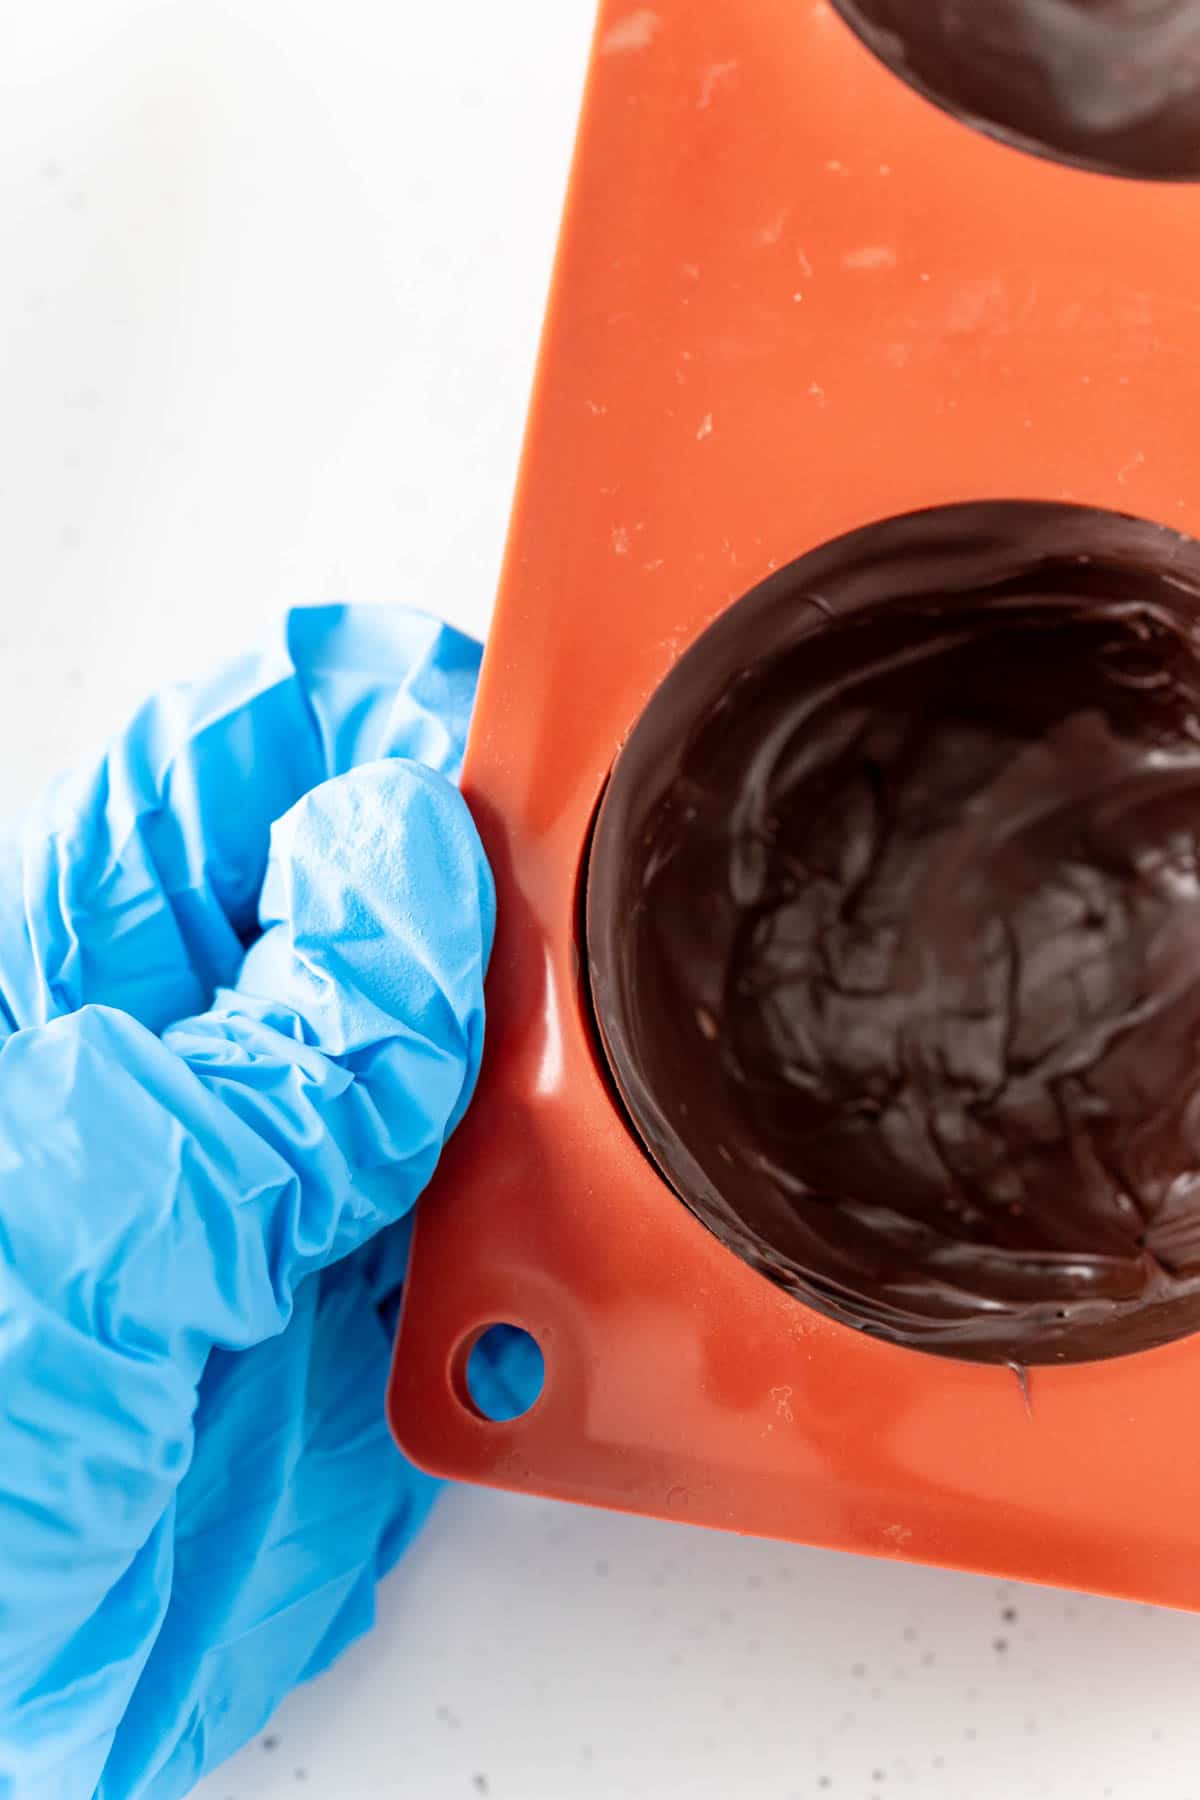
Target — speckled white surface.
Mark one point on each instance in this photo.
(273, 272)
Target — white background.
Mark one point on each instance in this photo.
(271, 274)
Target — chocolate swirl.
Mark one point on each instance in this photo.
(894, 931)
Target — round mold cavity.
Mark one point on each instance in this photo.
(893, 931)
(1111, 87)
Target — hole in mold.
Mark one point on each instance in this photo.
(499, 1372)
(1112, 87)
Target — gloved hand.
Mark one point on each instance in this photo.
(241, 1007)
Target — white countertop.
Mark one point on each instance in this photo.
(273, 275)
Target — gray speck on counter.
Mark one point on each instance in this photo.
(270, 1742)
(480, 1783)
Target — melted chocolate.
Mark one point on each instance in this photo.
(1114, 84)
(893, 927)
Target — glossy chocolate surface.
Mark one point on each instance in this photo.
(893, 929)
(1114, 84)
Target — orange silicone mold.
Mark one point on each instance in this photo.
(791, 297)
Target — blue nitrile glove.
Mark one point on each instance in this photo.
(223, 1073)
